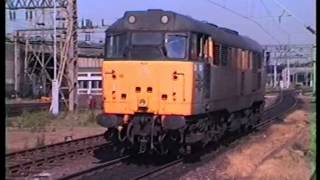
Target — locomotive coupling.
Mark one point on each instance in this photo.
(107, 120)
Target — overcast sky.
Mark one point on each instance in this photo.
(110, 10)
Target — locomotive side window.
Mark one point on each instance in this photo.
(201, 44)
(199, 49)
(115, 45)
(205, 48)
(175, 45)
(210, 50)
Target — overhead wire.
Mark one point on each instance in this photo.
(309, 28)
(245, 17)
(270, 14)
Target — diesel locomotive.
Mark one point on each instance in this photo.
(170, 81)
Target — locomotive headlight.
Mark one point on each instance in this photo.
(132, 19)
(164, 19)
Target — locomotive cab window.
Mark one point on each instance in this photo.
(115, 45)
(175, 45)
(146, 38)
(146, 45)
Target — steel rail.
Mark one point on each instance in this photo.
(23, 163)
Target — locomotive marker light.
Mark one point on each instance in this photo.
(132, 19)
(164, 19)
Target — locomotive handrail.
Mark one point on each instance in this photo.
(112, 72)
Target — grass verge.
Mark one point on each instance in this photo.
(39, 121)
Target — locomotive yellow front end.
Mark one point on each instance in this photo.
(144, 100)
(161, 88)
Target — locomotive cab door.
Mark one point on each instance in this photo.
(202, 52)
(208, 59)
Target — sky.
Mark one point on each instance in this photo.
(265, 29)
(288, 30)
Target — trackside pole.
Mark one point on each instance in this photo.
(55, 84)
(314, 60)
(55, 97)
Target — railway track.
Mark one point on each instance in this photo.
(18, 108)
(126, 168)
(32, 161)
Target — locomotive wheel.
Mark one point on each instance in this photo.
(251, 122)
(221, 128)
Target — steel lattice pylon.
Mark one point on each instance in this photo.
(38, 49)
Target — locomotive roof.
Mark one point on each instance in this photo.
(150, 20)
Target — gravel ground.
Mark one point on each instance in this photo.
(279, 152)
